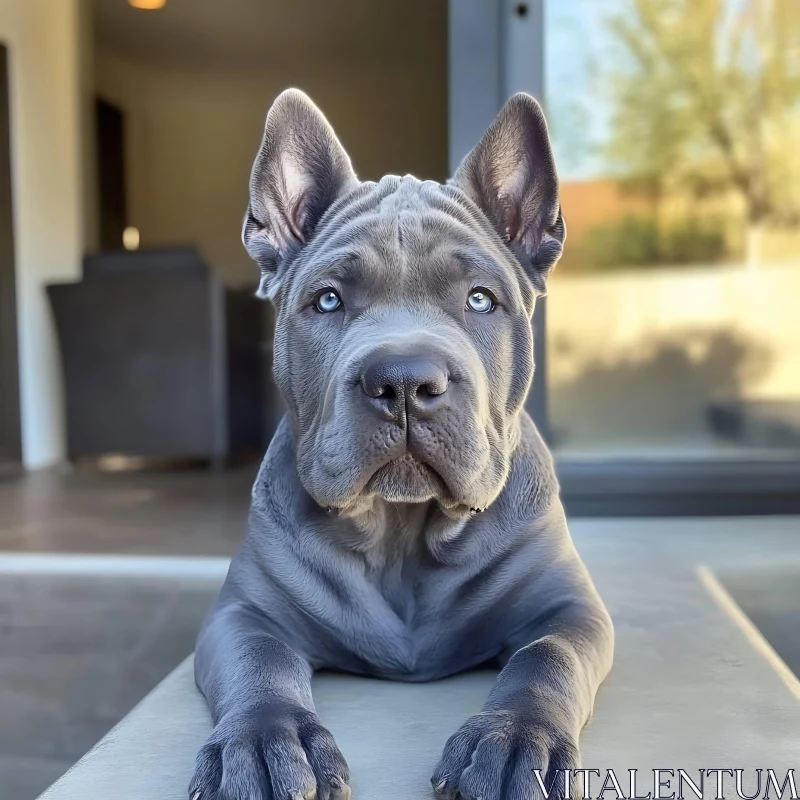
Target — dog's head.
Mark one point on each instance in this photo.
(403, 344)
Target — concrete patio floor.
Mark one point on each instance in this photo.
(104, 579)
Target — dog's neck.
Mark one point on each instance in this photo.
(382, 530)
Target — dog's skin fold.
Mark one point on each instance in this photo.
(405, 522)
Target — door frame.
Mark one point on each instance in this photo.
(10, 417)
(496, 48)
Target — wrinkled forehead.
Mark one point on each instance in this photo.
(402, 233)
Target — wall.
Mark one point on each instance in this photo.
(636, 356)
(192, 137)
(44, 39)
(587, 204)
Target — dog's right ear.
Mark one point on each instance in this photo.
(300, 170)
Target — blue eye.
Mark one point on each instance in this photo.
(327, 301)
(480, 301)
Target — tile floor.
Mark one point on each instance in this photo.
(194, 512)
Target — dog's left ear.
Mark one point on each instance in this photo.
(511, 176)
(299, 172)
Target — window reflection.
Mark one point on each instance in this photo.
(672, 322)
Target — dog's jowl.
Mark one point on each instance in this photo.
(406, 522)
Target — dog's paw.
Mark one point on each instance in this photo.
(494, 754)
(270, 754)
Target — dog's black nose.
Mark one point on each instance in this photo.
(413, 384)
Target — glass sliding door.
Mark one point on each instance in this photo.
(673, 325)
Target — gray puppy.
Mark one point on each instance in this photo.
(405, 523)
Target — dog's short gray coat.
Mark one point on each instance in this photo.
(405, 523)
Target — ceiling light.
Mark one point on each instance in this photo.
(148, 5)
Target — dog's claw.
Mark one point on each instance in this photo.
(440, 787)
(195, 795)
(339, 789)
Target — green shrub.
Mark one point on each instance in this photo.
(640, 241)
(690, 241)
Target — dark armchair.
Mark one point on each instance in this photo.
(160, 359)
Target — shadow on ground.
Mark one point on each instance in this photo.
(658, 390)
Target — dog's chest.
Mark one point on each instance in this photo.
(407, 620)
(401, 587)
(396, 612)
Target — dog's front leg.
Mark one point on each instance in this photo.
(268, 743)
(542, 698)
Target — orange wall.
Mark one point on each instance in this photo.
(589, 203)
